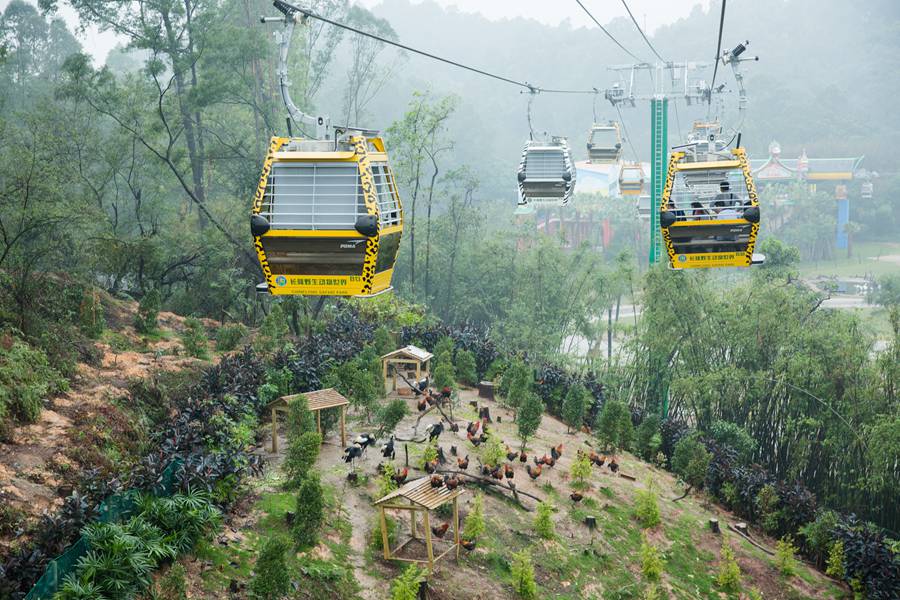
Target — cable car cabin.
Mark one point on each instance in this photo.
(867, 190)
(631, 179)
(710, 210)
(546, 173)
(604, 144)
(327, 218)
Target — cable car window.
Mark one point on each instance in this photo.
(313, 196)
(545, 164)
(388, 206)
(605, 138)
(387, 251)
(315, 256)
(708, 195)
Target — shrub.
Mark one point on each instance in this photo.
(493, 452)
(429, 454)
(580, 470)
(516, 381)
(523, 575)
(386, 483)
(301, 456)
(473, 526)
(376, 544)
(647, 438)
(26, 379)
(90, 315)
(786, 556)
(172, 585)
(614, 428)
(651, 592)
(194, 339)
(228, 337)
(835, 565)
(310, 512)
(734, 436)
(543, 521)
(767, 505)
(444, 375)
(652, 564)
(383, 341)
(300, 419)
(466, 370)
(270, 578)
(406, 585)
(147, 313)
(646, 506)
(389, 415)
(729, 578)
(818, 534)
(273, 332)
(531, 413)
(443, 350)
(691, 460)
(574, 406)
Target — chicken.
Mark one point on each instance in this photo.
(476, 441)
(596, 458)
(469, 545)
(613, 465)
(508, 471)
(511, 454)
(463, 463)
(538, 461)
(431, 466)
(556, 452)
(548, 460)
(497, 473)
(473, 427)
(451, 481)
(439, 532)
(485, 470)
(523, 457)
(421, 405)
(446, 392)
(586, 429)
(400, 476)
(441, 458)
(576, 497)
(437, 481)
(533, 473)
(454, 427)
(387, 450)
(434, 431)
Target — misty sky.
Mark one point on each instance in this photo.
(653, 13)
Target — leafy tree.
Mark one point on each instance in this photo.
(575, 406)
(300, 419)
(309, 512)
(648, 439)
(389, 415)
(194, 339)
(473, 526)
(301, 456)
(444, 374)
(492, 452)
(273, 333)
(691, 460)
(786, 556)
(229, 336)
(543, 521)
(614, 428)
(835, 566)
(734, 436)
(147, 313)
(270, 576)
(383, 341)
(767, 502)
(406, 585)
(466, 370)
(444, 349)
(522, 571)
(386, 483)
(531, 413)
(887, 293)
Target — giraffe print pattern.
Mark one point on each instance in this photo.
(370, 197)
(274, 146)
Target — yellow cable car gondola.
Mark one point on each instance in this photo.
(631, 179)
(709, 211)
(327, 218)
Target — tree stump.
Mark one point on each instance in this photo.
(484, 413)
(453, 450)
(714, 526)
(499, 419)
(741, 528)
(591, 522)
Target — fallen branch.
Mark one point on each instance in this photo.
(684, 495)
(492, 482)
(749, 539)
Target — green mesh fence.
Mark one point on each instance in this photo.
(117, 507)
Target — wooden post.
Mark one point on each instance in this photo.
(343, 429)
(274, 431)
(412, 526)
(319, 421)
(418, 372)
(714, 525)
(384, 535)
(428, 547)
(456, 525)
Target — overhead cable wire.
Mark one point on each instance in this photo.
(641, 31)
(627, 136)
(712, 86)
(286, 7)
(608, 34)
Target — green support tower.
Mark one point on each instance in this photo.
(659, 140)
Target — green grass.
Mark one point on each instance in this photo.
(859, 265)
(688, 568)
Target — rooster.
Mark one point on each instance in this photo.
(476, 441)
(469, 545)
(437, 481)
(548, 460)
(400, 476)
(511, 454)
(451, 481)
(533, 473)
(508, 471)
(439, 532)
(556, 452)
(463, 463)
(538, 461)
(497, 473)
(454, 427)
(421, 405)
(596, 458)
(364, 440)
(523, 457)
(613, 465)
(431, 466)
(473, 427)
(576, 497)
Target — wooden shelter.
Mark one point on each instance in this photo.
(318, 401)
(418, 497)
(407, 358)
